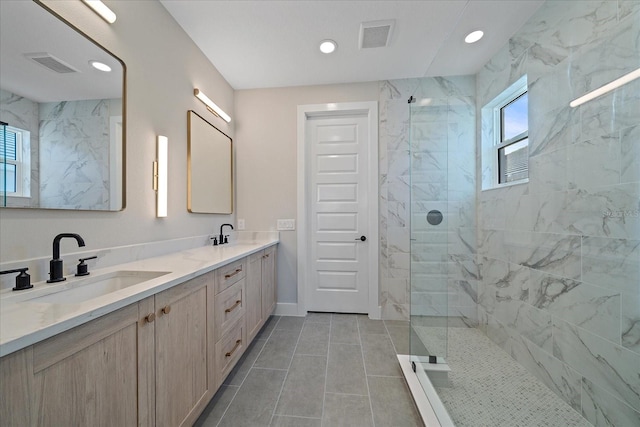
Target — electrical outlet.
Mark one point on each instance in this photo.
(286, 224)
(240, 224)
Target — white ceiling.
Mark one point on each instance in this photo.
(268, 43)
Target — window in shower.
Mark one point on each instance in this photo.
(505, 138)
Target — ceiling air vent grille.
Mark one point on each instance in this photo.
(51, 62)
(375, 33)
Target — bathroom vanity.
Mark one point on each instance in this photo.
(153, 353)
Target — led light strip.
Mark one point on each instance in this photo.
(211, 106)
(627, 78)
(102, 10)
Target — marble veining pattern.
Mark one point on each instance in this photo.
(559, 288)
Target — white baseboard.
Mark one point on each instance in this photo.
(287, 309)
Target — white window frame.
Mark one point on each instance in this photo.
(492, 138)
(22, 162)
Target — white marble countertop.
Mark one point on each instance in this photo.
(23, 323)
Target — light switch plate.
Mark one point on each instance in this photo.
(240, 224)
(286, 224)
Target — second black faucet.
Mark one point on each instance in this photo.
(222, 238)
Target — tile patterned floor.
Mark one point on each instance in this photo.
(322, 370)
(489, 388)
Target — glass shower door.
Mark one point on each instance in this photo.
(429, 238)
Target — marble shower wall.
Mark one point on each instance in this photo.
(560, 255)
(23, 113)
(74, 152)
(427, 161)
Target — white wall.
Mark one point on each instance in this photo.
(163, 67)
(266, 161)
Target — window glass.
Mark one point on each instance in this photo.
(513, 161)
(515, 117)
(9, 171)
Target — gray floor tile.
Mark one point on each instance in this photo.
(290, 323)
(215, 409)
(268, 327)
(314, 339)
(237, 375)
(370, 326)
(303, 389)
(344, 332)
(380, 356)
(345, 370)
(343, 410)
(400, 338)
(318, 318)
(285, 421)
(392, 403)
(344, 318)
(254, 403)
(278, 350)
(404, 323)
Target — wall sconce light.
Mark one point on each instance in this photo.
(606, 88)
(211, 106)
(160, 176)
(102, 10)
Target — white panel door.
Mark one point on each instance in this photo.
(338, 214)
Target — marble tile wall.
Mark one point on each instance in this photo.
(560, 256)
(74, 151)
(23, 113)
(427, 161)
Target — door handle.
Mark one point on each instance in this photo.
(362, 238)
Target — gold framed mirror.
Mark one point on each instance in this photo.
(65, 119)
(209, 167)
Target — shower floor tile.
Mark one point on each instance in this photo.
(489, 388)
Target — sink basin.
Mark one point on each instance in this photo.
(95, 287)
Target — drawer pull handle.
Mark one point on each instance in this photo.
(227, 276)
(166, 309)
(233, 350)
(149, 318)
(233, 307)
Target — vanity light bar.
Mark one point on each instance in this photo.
(211, 106)
(627, 78)
(102, 10)
(160, 180)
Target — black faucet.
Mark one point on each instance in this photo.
(55, 265)
(221, 237)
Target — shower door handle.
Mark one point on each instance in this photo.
(362, 238)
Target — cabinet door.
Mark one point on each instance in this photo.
(269, 281)
(254, 294)
(184, 351)
(89, 375)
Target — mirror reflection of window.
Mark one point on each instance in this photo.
(15, 162)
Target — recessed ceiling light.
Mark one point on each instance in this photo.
(328, 46)
(474, 36)
(100, 66)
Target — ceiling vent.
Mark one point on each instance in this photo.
(51, 62)
(376, 33)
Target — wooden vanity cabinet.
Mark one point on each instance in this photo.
(261, 289)
(157, 362)
(184, 351)
(85, 376)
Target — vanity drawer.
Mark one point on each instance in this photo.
(229, 349)
(230, 274)
(229, 307)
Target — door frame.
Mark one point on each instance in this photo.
(370, 109)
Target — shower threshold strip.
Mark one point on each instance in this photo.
(429, 405)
